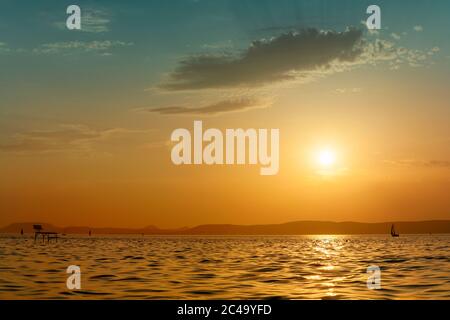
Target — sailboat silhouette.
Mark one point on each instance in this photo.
(393, 232)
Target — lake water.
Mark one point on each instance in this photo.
(245, 267)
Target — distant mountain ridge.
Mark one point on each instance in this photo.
(290, 228)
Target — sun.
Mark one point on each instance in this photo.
(326, 158)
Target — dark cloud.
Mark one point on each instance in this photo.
(231, 105)
(284, 57)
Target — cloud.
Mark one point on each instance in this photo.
(221, 45)
(67, 137)
(420, 163)
(382, 50)
(418, 28)
(95, 21)
(77, 47)
(225, 106)
(102, 47)
(347, 90)
(396, 36)
(288, 56)
(92, 20)
(4, 48)
(435, 49)
(292, 56)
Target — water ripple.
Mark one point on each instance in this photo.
(296, 267)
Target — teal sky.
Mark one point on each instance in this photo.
(155, 34)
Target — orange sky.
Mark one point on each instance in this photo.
(384, 169)
(85, 135)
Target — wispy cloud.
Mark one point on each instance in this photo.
(395, 36)
(66, 138)
(77, 47)
(382, 50)
(347, 90)
(225, 106)
(216, 46)
(92, 20)
(4, 48)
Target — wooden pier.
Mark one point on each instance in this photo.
(44, 234)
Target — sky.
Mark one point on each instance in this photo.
(86, 115)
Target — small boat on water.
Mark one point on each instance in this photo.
(394, 233)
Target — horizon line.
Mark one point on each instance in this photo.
(222, 224)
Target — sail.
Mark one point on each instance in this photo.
(393, 232)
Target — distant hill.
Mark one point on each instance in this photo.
(319, 227)
(28, 228)
(291, 228)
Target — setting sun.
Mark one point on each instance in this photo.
(326, 158)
